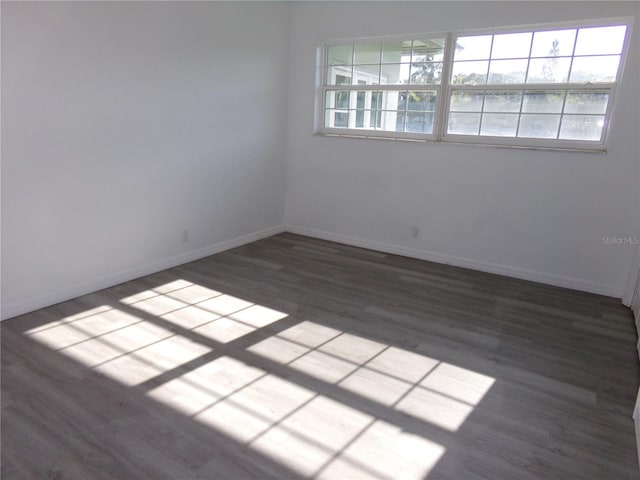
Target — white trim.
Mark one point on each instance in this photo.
(106, 281)
(514, 272)
(632, 280)
(546, 26)
(360, 136)
(412, 87)
(527, 142)
(542, 87)
(636, 423)
(384, 134)
(525, 27)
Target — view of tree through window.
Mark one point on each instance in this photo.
(544, 87)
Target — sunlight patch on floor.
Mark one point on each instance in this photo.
(433, 391)
(150, 361)
(179, 341)
(384, 451)
(201, 388)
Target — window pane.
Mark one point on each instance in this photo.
(341, 100)
(376, 100)
(392, 121)
(366, 74)
(336, 119)
(425, 101)
(428, 50)
(502, 102)
(365, 118)
(338, 100)
(421, 122)
(328, 118)
(393, 74)
(473, 48)
(543, 102)
(339, 54)
(426, 73)
(539, 126)
(600, 40)
(466, 102)
(586, 102)
(339, 75)
(507, 71)
(553, 43)
(548, 70)
(343, 80)
(464, 123)
(511, 45)
(376, 119)
(402, 101)
(470, 73)
(581, 127)
(392, 100)
(366, 53)
(595, 69)
(396, 52)
(341, 119)
(499, 125)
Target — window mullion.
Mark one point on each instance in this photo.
(520, 113)
(484, 99)
(564, 103)
(605, 129)
(573, 53)
(526, 77)
(323, 76)
(444, 94)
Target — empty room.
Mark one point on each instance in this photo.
(334, 240)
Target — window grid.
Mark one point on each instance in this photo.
(562, 114)
(388, 116)
(443, 89)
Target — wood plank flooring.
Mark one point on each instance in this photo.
(294, 358)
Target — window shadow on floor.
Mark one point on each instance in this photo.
(291, 358)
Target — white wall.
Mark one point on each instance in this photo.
(123, 124)
(532, 214)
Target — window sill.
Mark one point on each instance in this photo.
(571, 149)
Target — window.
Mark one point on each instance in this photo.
(384, 87)
(549, 87)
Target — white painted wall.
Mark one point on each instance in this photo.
(532, 214)
(124, 123)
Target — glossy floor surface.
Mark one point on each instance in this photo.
(296, 358)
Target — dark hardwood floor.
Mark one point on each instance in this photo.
(296, 358)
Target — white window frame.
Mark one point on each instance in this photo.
(327, 88)
(445, 89)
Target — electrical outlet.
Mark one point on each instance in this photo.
(185, 235)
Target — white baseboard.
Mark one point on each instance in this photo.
(18, 308)
(523, 274)
(632, 281)
(636, 424)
